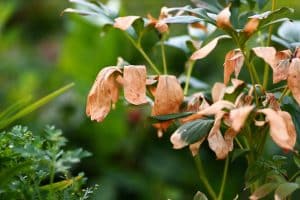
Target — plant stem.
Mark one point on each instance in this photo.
(203, 177)
(220, 196)
(284, 92)
(141, 50)
(266, 68)
(190, 66)
(294, 176)
(163, 54)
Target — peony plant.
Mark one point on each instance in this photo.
(235, 117)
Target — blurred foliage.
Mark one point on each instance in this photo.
(41, 50)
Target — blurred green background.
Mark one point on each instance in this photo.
(40, 50)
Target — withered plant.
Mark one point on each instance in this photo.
(234, 117)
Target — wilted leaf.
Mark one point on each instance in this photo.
(263, 191)
(216, 140)
(234, 61)
(290, 127)
(134, 78)
(191, 132)
(168, 98)
(194, 148)
(294, 79)
(204, 51)
(105, 91)
(211, 110)
(124, 23)
(229, 137)
(266, 53)
(278, 129)
(251, 26)
(238, 117)
(218, 91)
(284, 190)
(197, 103)
(223, 18)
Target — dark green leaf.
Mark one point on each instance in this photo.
(238, 153)
(297, 160)
(264, 190)
(200, 196)
(192, 132)
(262, 3)
(171, 116)
(285, 189)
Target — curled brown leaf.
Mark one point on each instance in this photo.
(234, 61)
(294, 78)
(103, 93)
(238, 117)
(204, 51)
(223, 18)
(218, 91)
(251, 26)
(278, 128)
(167, 99)
(124, 23)
(134, 78)
(216, 140)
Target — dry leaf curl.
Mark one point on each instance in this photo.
(294, 79)
(223, 18)
(134, 78)
(103, 93)
(124, 23)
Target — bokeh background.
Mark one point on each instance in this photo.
(41, 50)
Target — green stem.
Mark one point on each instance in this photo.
(238, 143)
(220, 196)
(295, 176)
(266, 68)
(203, 177)
(141, 50)
(190, 66)
(163, 54)
(284, 92)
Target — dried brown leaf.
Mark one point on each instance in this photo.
(251, 26)
(194, 148)
(135, 84)
(216, 140)
(266, 53)
(197, 103)
(229, 136)
(278, 128)
(281, 65)
(168, 97)
(290, 127)
(124, 23)
(294, 79)
(234, 61)
(218, 91)
(103, 93)
(238, 117)
(204, 51)
(223, 18)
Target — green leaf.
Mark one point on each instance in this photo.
(200, 196)
(179, 42)
(35, 105)
(171, 116)
(263, 190)
(285, 189)
(297, 160)
(182, 19)
(238, 153)
(262, 3)
(269, 16)
(61, 185)
(194, 131)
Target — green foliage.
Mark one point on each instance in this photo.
(32, 165)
